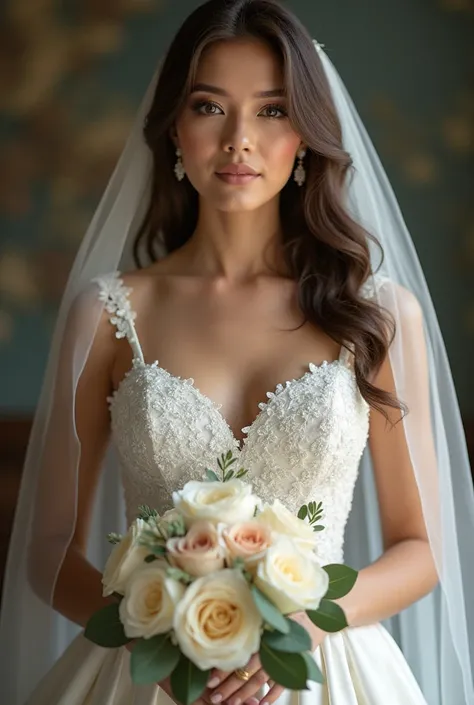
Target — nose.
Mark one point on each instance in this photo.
(238, 137)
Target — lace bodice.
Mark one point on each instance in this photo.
(305, 443)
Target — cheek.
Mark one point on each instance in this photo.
(281, 152)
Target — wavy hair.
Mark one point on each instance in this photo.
(325, 250)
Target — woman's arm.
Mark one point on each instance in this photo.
(78, 588)
(406, 571)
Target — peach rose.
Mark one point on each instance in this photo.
(248, 540)
(199, 552)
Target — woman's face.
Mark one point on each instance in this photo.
(236, 116)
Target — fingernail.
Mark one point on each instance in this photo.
(216, 698)
(213, 682)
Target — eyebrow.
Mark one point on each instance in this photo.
(207, 88)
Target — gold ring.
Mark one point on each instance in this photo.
(242, 674)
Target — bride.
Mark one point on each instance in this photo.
(251, 199)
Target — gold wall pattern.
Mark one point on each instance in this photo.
(42, 51)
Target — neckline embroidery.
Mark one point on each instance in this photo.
(214, 406)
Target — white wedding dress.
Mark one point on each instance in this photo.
(305, 444)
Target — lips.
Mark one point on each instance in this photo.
(238, 170)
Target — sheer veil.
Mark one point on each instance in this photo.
(436, 634)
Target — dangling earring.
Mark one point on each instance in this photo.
(300, 172)
(178, 167)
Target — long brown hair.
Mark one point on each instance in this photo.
(326, 251)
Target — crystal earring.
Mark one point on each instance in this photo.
(300, 171)
(178, 167)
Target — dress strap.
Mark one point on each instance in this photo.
(368, 291)
(115, 296)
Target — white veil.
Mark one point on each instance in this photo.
(436, 634)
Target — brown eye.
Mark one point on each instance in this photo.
(274, 111)
(206, 107)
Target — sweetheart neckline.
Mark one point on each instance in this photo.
(138, 364)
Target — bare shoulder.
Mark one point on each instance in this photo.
(399, 300)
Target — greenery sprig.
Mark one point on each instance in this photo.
(314, 512)
(224, 463)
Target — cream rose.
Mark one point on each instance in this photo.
(282, 521)
(227, 502)
(291, 578)
(217, 624)
(199, 552)
(150, 601)
(248, 540)
(126, 557)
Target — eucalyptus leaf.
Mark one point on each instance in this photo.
(150, 558)
(153, 659)
(187, 681)
(211, 475)
(329, 617)
(295, 641)
(287, 669)
(104, 628)
(342, 579)
(314, 674)
(303, 512)
(270, 613)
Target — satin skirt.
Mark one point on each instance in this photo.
(361, 665)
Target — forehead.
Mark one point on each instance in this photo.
(240, 65)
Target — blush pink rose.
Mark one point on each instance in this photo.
(199, 552)
(248, 540)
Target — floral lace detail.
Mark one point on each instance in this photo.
(114, 294)
(305, 444)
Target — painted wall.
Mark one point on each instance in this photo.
(72, 74)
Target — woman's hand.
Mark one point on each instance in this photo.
(227, 687)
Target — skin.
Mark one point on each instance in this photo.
(230, 276)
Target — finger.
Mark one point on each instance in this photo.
(249, 688)
(233, 683)
(217, 677)
(272, 695)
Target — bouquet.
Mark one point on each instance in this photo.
(212, 582)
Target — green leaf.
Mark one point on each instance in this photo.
(229, 475)
(303, 512)
(341, 580)
(187, 681)
(178, 574)
(151, 558)
(312, 507)
(211, 475)
(286, 669)
(153, 659)
(114, 538)
(104, 628)
(319, 527)
(145, 512)
(314, 674)
(241, 473)
(295, 641)
(329, 617)
(270, 613)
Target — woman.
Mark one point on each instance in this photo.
(253, 268)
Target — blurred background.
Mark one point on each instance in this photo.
(71, 76)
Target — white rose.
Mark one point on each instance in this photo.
(281, 520)
(126, 557)
(217, 624)
(227, 502)
(291, 578)
(150, 601)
